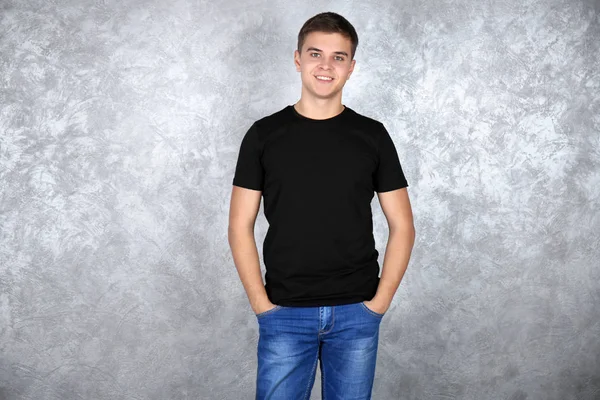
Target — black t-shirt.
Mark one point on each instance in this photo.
(318, 178)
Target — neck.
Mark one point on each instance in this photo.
(319, 108)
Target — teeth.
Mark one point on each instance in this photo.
(324, 78)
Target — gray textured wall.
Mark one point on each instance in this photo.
(120, 126)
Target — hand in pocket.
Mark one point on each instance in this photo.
(264, 308)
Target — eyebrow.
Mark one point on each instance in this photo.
(335, 52)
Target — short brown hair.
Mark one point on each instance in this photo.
(328, 22)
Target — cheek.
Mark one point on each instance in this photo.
(342, 73)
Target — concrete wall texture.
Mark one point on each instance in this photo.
(120, 125)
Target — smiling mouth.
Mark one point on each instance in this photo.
(323, 78)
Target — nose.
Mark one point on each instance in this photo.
(325, 63)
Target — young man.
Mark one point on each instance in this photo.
(317, 164)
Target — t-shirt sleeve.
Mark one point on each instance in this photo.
(249, 172)
(389, 175)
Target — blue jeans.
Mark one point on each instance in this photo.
(292, 339)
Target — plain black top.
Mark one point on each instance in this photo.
(318, 178)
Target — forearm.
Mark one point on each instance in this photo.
(247, 263)
(397, 255)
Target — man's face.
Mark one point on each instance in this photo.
(324, 55)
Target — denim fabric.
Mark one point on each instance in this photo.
(292, 339)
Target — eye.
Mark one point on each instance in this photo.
(312, 54)
(340, 58)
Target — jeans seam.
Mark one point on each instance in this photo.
(323, 391)
(314, 368)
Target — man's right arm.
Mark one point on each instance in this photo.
(243, 211)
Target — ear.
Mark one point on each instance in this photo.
(352, 64)
(297, 60)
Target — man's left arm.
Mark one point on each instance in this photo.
(396, 207)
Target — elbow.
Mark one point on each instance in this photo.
(410, 232)
(403, 229)
(234, 231)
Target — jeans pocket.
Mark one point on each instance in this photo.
(371, 312)
(272, 310)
